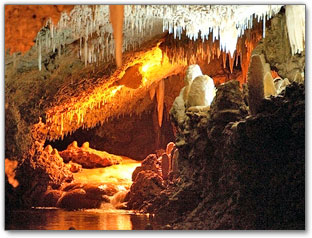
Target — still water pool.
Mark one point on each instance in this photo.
(90, 219)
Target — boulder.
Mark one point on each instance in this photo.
(51, 197)
(149, 163)
(87, 157)
(74, 167)
(77, 199)
(147, 185)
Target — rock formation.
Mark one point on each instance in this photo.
(201, 93)
(239, 171)
(88, 157)
(277, 50)
(269, 87)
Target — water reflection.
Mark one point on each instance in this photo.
(92, 219)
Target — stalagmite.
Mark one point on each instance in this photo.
(268, 83)
(48, 149)
(85, 145)
(191, 73)
(165, 166)
(177, 111)
(174, 162)
(299, 77)
(169, 148)
(202, 92)
(257, 71)
(280, 84)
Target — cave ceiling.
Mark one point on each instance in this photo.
(150, 33)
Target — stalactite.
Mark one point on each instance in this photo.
(180, 20)
(295, 21)
(152, 93)
(160, 94)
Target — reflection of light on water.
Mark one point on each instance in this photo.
(105, 218)
(116, 174)
(89, 219)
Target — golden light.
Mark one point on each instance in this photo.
(145, 67)
(108, 100)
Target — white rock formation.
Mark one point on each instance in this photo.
(178, 107)
(142, 22)
(202, 92)
(295, 20)
(299, 77)
(257, 72)
(280, 84)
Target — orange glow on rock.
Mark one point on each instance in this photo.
(10, 166)
(274, 74)
(112, 98)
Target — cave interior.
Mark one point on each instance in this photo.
(157, 109)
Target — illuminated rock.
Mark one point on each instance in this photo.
(48, 149)
(191, 73)
(160, 94)
(202, 92)
(169, 148)
(256, 73)
(74, 167)
(299, 77)
(77, 199)
(147, 185)
(177, 110)
(149, 163)
(165, 166)
(268, 85)
(295, 19)
(174, 162)
(10, 166)
(51, 197)
(89, 158)
(280, 84)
